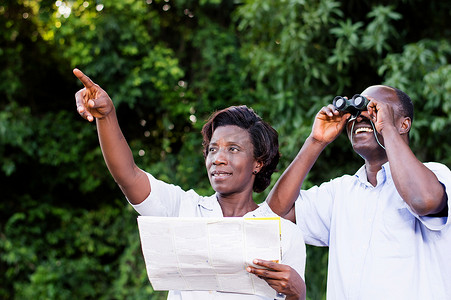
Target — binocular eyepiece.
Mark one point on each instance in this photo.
(354, 105)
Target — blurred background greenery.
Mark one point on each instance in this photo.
(66, 231)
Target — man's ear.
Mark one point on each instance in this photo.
(405, 126)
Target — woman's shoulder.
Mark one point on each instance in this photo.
(264, 211)
(168, 199)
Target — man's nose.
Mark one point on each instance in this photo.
(362, 115)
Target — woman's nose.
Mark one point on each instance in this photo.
(220, 157)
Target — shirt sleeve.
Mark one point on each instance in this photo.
(444, 177)
(164, 199)
(313, 210)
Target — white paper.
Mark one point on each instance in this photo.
(208, 253)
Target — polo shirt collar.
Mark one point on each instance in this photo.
(213, 209)
(209, 203)
(383, 175)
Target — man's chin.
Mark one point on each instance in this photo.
(366, 151)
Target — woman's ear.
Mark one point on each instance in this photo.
(258, 166)
(405, 126)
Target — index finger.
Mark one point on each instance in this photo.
(372, 106)
(87, 82)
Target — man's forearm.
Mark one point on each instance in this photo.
(417, 185)
(287, 188)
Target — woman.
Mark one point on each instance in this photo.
(241, 153)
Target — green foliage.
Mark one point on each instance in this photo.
(69, 254)
(427, 63)
(298, 66)
(379, 30)
(65, 230)
(316, 272)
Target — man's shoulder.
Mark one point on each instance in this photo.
(343, 179)
(436, 166)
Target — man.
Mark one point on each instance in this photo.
(387, 226)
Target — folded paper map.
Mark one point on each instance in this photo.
(208, 253)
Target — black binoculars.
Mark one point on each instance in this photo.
(354, 105)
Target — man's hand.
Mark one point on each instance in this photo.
(284, 279)
(92, 101)
(328, 124)
(381, 114)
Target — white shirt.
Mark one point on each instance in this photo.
(378, 248)
(171, 201)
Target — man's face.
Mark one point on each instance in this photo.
(363, 133)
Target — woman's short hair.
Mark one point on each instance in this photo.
(264, 138)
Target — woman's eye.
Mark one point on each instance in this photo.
(234, 149)
(211, 149)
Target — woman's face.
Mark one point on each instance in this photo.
(230, 160)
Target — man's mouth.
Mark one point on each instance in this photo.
(363, 129)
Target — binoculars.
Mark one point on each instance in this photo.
(354, 105)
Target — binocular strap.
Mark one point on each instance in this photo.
(353, 118)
